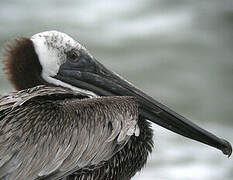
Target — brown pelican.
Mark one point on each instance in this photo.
(58, 125)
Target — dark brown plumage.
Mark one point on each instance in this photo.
(21, 64)
(124, 165)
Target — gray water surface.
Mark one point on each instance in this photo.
(178, 51)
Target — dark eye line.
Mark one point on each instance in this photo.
(73, 54)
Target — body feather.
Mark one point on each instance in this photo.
(51, 132)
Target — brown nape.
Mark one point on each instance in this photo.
(21, 64)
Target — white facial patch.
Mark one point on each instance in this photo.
(51, 48)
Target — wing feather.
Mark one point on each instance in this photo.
(48, 132)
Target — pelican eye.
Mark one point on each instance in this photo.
(73, 55)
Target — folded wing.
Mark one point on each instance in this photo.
(52, 132)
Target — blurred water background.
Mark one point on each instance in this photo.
(178, 51)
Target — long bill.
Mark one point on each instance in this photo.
(106, 83)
